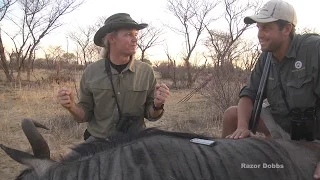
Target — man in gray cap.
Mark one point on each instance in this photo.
(293, 84)
(116, 92)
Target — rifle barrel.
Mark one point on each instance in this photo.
(255, 115)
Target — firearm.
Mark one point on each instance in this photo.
(255, 115)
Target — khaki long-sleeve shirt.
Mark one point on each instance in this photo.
(134, 88)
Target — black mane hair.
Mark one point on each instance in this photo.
(99, 145)
(24, 173)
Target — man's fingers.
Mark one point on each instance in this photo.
(252, 135)
(244, 134)
(164, 86)
(237, 135)
(64, 98)
(63, 102)
(61, 92)
(160, 98)
(231, 136)
(64, 92)
(157, 86)
(163, 90)
(228, 136)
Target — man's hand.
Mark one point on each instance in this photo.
(317, 172)
(161, 93)
(66, 98)
(240, 133)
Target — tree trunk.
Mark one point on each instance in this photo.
(189, 74)
(19, 67)
(142, 55)
(29, 63)
(28, 70)
(4, 62)
(174, 74)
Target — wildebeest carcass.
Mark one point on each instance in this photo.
(154, 154)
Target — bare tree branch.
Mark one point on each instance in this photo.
(39, 18)
(193, 15)
(4, 7)
(250, 54)
(224, 45)
(171, 64)
(149, 38)
(5, 4)
(306, 30)
(83, 37)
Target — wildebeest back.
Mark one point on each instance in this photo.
(167, 156)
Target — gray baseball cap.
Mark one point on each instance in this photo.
(272, 11)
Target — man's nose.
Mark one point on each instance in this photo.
(135, 39)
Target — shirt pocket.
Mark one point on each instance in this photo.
(135, 99)
(300, 92)
(104, 103)
(272, 94)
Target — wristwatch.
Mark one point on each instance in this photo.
(157, 108)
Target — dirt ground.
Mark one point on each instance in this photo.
(39, 102)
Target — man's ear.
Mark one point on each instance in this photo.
(111, 37)
(288, 28)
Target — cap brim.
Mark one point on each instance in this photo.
(258, 19)
(107, 29)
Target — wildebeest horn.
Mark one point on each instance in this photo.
(39, 165)
(39, 146)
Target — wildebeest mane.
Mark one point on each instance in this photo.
(99, 145)
(24, 174)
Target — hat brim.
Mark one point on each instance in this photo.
(259, 19)
(107, 29)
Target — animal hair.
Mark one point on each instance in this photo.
(120, 139)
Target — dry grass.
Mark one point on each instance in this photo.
(38, 101)
(195, 115)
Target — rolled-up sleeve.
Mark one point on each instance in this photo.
(251, 88)
(86, 97)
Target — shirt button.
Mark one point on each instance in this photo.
(118, 92)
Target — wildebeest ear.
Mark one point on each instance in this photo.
(39, 165)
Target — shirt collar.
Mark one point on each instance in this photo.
(292, 51)
(131, 66)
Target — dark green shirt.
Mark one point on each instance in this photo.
(299, 73)
(134, 88)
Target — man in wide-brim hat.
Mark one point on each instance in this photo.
(133, 93)
(116, 22)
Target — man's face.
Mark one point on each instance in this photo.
(125, 41)
(270, 36)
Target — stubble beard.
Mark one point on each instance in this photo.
(271, 47)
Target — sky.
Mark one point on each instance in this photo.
(155, 12)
